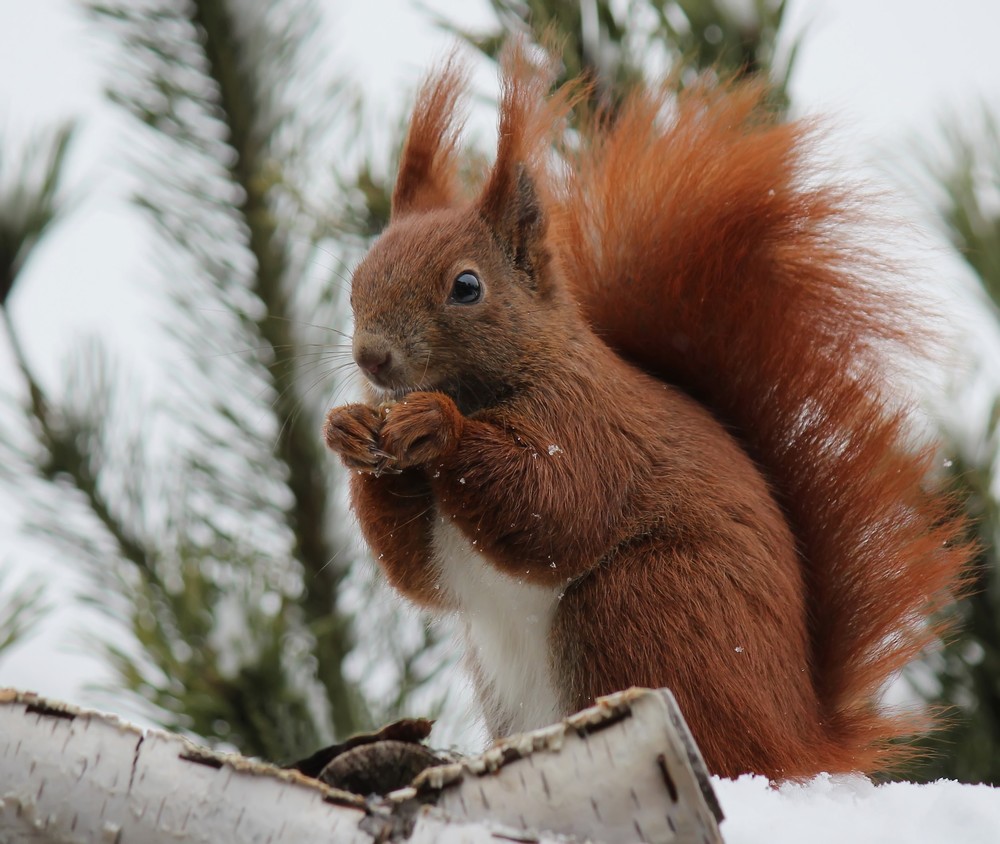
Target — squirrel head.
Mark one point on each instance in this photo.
(455, 299)
(457, 295)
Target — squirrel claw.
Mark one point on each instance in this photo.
(382, 467)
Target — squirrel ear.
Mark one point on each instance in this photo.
(510, 202)
(511, 208)
(428, 164)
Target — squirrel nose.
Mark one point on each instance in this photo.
(372, 354)
(373, 360)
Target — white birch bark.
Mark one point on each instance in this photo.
(626, 769)
(619, 772)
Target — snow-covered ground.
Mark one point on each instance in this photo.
(852, 810)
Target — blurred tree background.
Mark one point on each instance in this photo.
(218, 536)
(965, 675)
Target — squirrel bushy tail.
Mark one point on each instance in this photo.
(702, 248)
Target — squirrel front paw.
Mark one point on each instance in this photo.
(352, 431)
(420, 428)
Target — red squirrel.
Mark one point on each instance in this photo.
(629, 419)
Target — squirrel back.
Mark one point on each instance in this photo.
(639, 396)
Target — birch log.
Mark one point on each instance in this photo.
(625, 770)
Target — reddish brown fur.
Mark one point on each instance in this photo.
(428, 167)
(776, 573)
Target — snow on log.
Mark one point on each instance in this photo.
(623, 770)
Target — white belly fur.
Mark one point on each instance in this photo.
(506, 627)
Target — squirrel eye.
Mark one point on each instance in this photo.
(467, 289)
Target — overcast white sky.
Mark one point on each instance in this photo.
(889, 71)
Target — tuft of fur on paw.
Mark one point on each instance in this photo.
(420, 429)
(352, 431)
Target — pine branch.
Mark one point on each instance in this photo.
(965, 685)
(21, 608)
(217, 81)
(615, 45)
(30, 201)
(298, 444)
(30, 205)
(971, 216)
(65, 458)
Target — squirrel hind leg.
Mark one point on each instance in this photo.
(736, 666)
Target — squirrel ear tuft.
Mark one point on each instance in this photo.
(511, 202)
(428, 164)
(511, 208)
